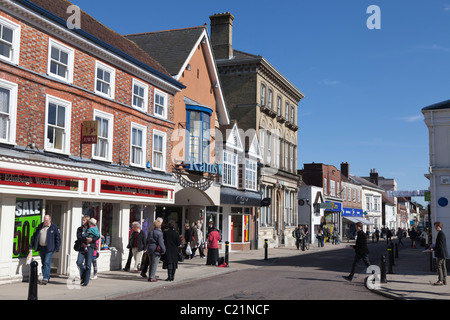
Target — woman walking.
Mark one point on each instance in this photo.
(172, 241)
(155, 248)
(137, 245)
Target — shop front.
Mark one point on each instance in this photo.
(331, 218)
(113, 198)
(350, 217)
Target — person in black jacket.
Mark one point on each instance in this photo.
(440, 252)
(137, 244)
(361, 251)
(172, 241)
(46, 239)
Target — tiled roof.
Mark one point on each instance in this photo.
(95, 31)
(171, 48)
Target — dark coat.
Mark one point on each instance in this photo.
(140, 240)
(361, 244)
(172, 241)
(440, 248)
(154, 239)
(53, 238)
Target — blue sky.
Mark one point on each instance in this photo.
(364, 89)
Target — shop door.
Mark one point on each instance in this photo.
(57, 212)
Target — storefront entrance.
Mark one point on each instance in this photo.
(58, 211)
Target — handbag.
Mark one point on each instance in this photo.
(77, 245)
(158, 248)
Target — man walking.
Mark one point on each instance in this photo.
(440, 252)
(361, 251)
(46, 239)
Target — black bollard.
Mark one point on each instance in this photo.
(383, 269)
(266, 248)
(32, 287)
(227, 249)
(390, 258)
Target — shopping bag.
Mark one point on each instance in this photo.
(188, 250)
(29, 257)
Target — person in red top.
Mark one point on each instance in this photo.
(213, 246)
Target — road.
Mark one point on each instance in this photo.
(303, 276)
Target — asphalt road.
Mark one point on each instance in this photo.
(316, 276)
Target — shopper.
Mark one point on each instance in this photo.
(440, 252)
(197, 242)
(155, 248)
(85, 257)
(413, 236)
(46, 239)
(172, 241)
(137, 245)
(361, 251)
(213, 246)
(400, 236)
(188, 239)
(319, 237)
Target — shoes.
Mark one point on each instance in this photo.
(94, 277)
(143, 275)
(438, 283)
(44, 282)
(125, 269)
(444, 282)
(152, 280)
(84, 284)
(348, 278)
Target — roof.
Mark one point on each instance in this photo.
(93, 30)
(364, 182)
(438, 106)
(171, 48)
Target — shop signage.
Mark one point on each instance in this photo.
(333, 206)
(206, 167)
(28, 217)
(89, 133)
(351, 212)
(36, 180)
(134, 190)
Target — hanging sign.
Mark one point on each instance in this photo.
(89, 133)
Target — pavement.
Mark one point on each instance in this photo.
(411, 277)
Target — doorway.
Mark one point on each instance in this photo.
(57, 210)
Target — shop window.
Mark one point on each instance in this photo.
(143, 214)
(240, 231)
(107, 221)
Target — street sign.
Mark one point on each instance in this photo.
(89, 133)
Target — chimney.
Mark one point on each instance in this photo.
(345, 169)
(374, 176)
(222, 34)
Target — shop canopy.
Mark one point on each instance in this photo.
(358, 219)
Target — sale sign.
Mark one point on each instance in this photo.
(28, 217)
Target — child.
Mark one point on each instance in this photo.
(91, 232)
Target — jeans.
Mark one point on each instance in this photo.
(364, 258)
(153, 264)
(84, 263)
(46, 259)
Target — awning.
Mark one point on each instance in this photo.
(358, 219)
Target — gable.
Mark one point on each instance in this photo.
(234, 141)
(255, 150)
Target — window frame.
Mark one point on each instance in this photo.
(143, 147)
(15, 44)
(145, 97)
(112, 83)
(67, 124)
(12, 114)
(110, 118)
(70, 60)
(251, 171)
(163, 152)
(165, 107)
(233, 177)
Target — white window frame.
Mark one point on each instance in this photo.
(164, 145)
(165, 106)
(110, 118)
(70, 63)
(112, 83)
(230, 169)
(251, 174)
(11, 130)
(15, 44)
(67, 121)
(143, 147)
(145, 97)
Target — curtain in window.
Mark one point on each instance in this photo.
(4, 113)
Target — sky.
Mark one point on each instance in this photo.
(364, 88)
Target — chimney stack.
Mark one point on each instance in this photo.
(222, 34)
(374, 176)
(345, 169)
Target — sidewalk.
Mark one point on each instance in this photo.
(412, 278)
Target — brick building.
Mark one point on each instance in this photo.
(53, 77)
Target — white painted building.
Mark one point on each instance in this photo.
(309, 211)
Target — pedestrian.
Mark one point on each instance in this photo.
(145, 260)
(46, 239)
(137, 245)
(299, 235)
(388, 235)
(130, 252)
(400, 236)
(440, 252)
(361, 251)
(172, 241)
(198, 241)
(413, 236)
(94, 232)
(155, 248)
(377, 234)
(85, 257)
(188, 239)
(336, 236)
(213, 246)
(319, 237)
